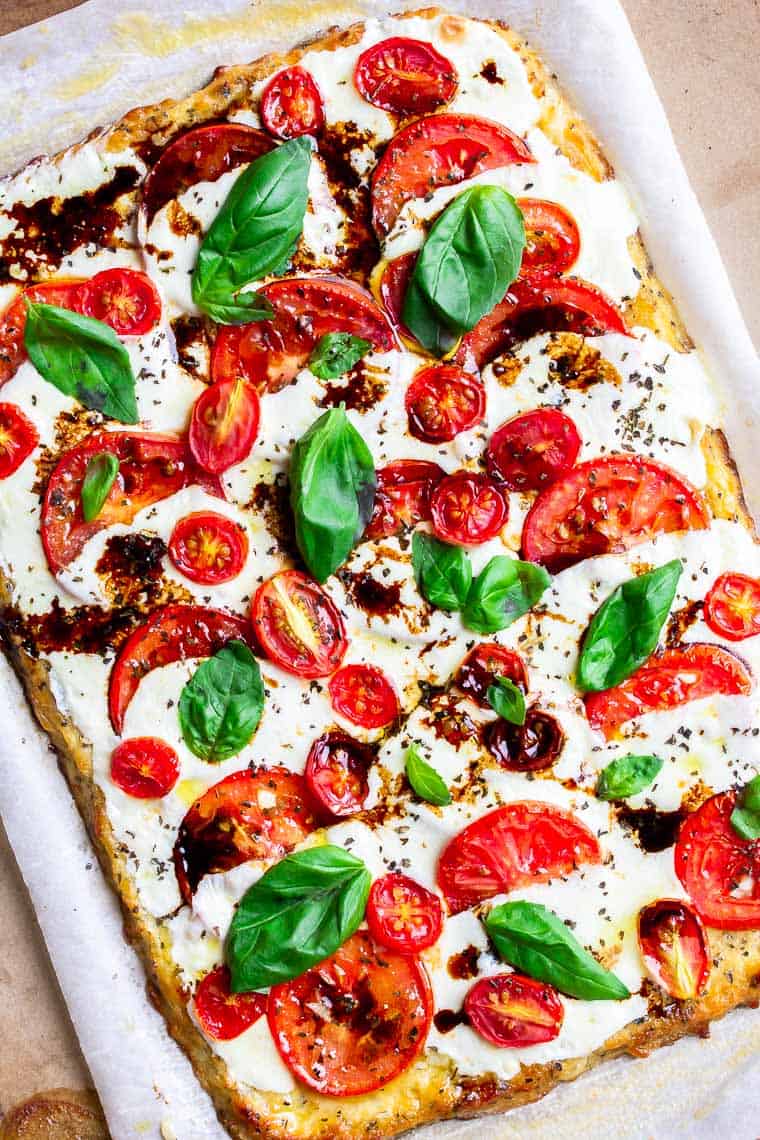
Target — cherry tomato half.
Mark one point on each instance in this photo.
(403, 915)
(64, 292)
(291, 104)
(364, 695)
(222, 1014)
(125, 299)
(402, 496)
(529, 747)
(298, 625)
(405, 76)
(552, 237)
(467, 508)
(18, 439)
(336, 772)
(719, 870)
(483, 665)
(224, 424)
(732, 606)
(674, 947)
(144, 767)
(390, 287)
(208, 548)
(443, 401)
(532, 450)
(512, 1011)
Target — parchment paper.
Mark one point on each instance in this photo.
(61, 78)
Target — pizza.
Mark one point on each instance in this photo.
(375, 561)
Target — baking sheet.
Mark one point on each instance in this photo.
(695, 1088)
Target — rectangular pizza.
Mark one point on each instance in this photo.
(372, 555)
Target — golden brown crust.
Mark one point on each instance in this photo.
(58, 1114)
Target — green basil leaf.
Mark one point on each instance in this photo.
(99, 477)
(83, 358)
(220, 706)
(253, 232)
(425, 781)
(507, 700)
(535, 941)
(627, 776)
(504, 590)
(624, 630)
(298, 913)
(421, 318)
(335, 353)
(443, 573)
(239, 310)
(745, 818)
(332, 491)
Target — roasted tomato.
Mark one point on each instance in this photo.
(607, 505)
(172, 633)
(364, 695)
(483, 665)
(402, 497)
(391, 285)
(291, 104)
(208, 548)
(467, 508)
(443, 401)
(732, 606)
(532, 450)
(528, 747)
(269, 354)
(126, 300)
(552, 237)
(512, 1011)
(222, 1014)
(18, 439)
(336, 772)
(439, 150)
(64, 293)
(403, 915)
(144, 767)
(298, 625)
(224, 424)
(352, 1023)
(405, 76)
(719, 870)
(667, 680)
(514, 846)
(249, 815)
(151, 467)
(674, 947)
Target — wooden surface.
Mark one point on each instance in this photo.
(703, 60)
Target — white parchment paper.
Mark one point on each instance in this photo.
(61, 78)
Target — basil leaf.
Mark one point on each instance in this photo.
(421, 318)
(335, 353)
(220, 706)
(425, 781)
(443, 573)
(253, 232)
(99, 476)
(298, 913)
(504, 590)
(627, 776)
(745, 818)
(537, 942)
(83, 358)
(624, 630)
(507, 700)
(332, 491)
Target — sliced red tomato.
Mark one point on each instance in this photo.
(18, 439)
(269, 354)
(528, 747)
(405, 76)
(291, 104)
(403, 915)
(352, 1023)
(443, 401)
(512, 1011)
(552, 237)
(364, 695)
(64, 292)
(208, 548)
(402, 496)
(666, 681)
(467, 508)
(260, 814)
(125, 299)
(298, 625)
(483, 665)
(336, 772)
(222, 1014)
(511, 847)
(439, 150)
(144, 767)
(224, 424)
(172, 633)
(719, 870)
(606, 505)
(732, 606)
(532, 450)
(674, 947)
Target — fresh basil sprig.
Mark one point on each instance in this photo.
(507, 700)
(421, 318)
(745, 818)
(99, 477)
(534, 940)
(443, 573)
(624, 630)
(332, 491)
(505, 589)
(253, 234)
(298, 913)
(627, 776)
(426, 783)
(221, 705)
(82, 358)
(335, 353)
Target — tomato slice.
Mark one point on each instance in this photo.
(64, 292)
(125, 299)
(336, 772)
(467, 509)
(298, 625)
(443, 401)
(291, 104)
(511, 847)
(354, 1022)
(532, 450)
(18, 439)
(151, 467)
(260, 814)
(529, 747)
(673, 945)
(512, 1011)
(403, 915)
(483, 665)
(270, 354)
(439, 150)
(224, 424)
(552, 237)
(405, 76)
(732, 606)
(719, 870)
(364, 695)
(222, 1014)
(144, 767)
(606, 505)
(172, 633)
(402, 496)
(208, 548)
(666, 681)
